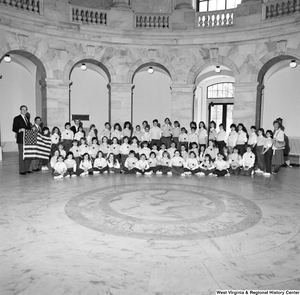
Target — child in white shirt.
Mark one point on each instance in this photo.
(94, 149)
(113, 164)
(85, 166)
(177, 163)
(55, 138)
(79, 134)
(67, 136)
(124, 150)
(76, 151)
(104, 146)
(130, 163)
(138, 133)
(142, 166)
(191, 164)
(59, 168)
(222, 166)
(248, 162)
(183, 138)
(153, 163)
(100, 164)
(145, 150)
(71, 165)
(235, 161)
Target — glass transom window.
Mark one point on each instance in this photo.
(220, 90)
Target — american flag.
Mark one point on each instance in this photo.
(36, 145)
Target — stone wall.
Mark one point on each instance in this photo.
(59, 46)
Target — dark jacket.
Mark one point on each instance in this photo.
(18, 124)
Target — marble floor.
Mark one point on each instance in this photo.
(141, 235)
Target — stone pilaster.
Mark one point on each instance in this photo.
(57, 101)
(120, 102)
(182, 103)
(244, 110)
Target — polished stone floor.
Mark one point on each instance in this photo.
(141, 235)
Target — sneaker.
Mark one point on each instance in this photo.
(183, 174)
(58, 177)
(148, 173)
(105, 171)
(138, 173)
(252, 173)
(210, 174)
(200, 173)
(188, 173)
(158, 173)
(267, 174)
(96, 172)
(73, 175)
(84, 173)
(227, 174)
(43, 168)
(67, 176)
(170, 173)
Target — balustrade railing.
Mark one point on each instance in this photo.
(218, 18)
(152, 21)
(279, 8)
(88, 15)
(33, 6)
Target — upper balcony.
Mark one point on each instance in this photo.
(169, 20)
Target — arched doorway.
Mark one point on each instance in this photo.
(20, 85)
(279, 94)
(89, 93)
(214, 96)
(151, 98)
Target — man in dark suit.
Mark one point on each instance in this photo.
(20, 124)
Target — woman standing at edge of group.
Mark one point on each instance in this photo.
(278, 147)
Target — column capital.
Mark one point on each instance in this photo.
(55, 82)
(182, 88)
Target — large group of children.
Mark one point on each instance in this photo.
(163, 149)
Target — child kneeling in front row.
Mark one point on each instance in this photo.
(248, 162)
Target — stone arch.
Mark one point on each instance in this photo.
(106, 66)
(200, 65)
(41, 75)
(262, 67)
(33, 54)
(139, 64)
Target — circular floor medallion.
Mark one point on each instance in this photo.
(163, 211)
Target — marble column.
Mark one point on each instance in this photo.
(120, 102)
(183, 4)
(244, 110)
(57, 101)
(182, 104)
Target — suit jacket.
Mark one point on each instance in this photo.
(19, 123)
